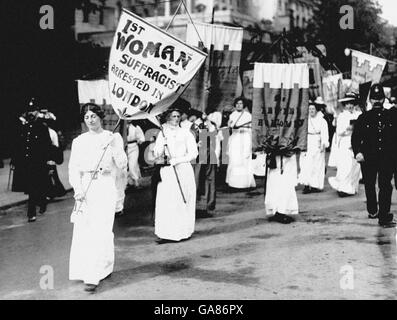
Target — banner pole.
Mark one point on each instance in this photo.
(176, 173)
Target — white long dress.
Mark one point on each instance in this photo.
(240, 171)
(135, 136)
(280, 191)
(92, 250)
(348, 169)
(174, 219)
(216, 120)
(312, 161)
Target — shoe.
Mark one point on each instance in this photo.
(90, 287)
(281, 218)
(32, 219)
(163, 241)
(43, 208)
(373, 215)
(390, 224)
(119, 213)
(343, 194)
(315, 190)
(306, 190)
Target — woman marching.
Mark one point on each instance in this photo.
(94, 160)
(312, 161)
(175, 207)
(347, 178)
(240, 171)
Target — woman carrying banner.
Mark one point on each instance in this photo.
(348, 172)
(94, 160)
(240, 171)
(312, 161)
(176, 192)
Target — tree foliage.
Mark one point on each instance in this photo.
(368, 28)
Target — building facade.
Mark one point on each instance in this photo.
(96, 20)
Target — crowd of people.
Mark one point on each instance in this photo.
(188, 153)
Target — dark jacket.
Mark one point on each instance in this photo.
(31, 153)
(374, 134)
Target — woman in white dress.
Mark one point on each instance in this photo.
(240, 171)
(175, 146)
(312, 162)
(135, 137)
(346, 181)
(92, 249)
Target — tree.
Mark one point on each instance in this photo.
(325, 28)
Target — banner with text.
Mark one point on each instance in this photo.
(365, 68)
(148, 68)
(332, 86)
(215, 84)
(315, 72)
(280, 107)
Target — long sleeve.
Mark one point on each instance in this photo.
(74, 171)
(342, 125)
(356, 136)
(324, 133)
(158, 149)
(140, 135)
(191, 149)
(119, 156)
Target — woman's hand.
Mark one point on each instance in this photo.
(79, 197)
(173, 162)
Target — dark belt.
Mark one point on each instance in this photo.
(133, 141)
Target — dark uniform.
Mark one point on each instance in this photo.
(31, 153)
(374, 137)
(206, 164)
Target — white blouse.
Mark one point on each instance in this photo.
(181, 144)
(87, 150)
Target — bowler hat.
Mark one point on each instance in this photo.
(377, 92)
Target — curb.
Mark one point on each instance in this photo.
(20, 202)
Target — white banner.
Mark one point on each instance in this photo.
(280, 106)
(148, 68)
(365, 68)
(215, 85)
(332, 87)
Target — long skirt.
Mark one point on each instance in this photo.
(240, 171)
(121, 184)
(259, 164)
(134, 172)
(347, 174)
(280, 191)
(312, 169)
(174, 219)
(92, 250)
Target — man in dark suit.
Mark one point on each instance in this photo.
(31, 153)
(373, 143)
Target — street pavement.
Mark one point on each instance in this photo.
(332, 251)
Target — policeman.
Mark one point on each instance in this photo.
(373, 147)
(31, 153)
